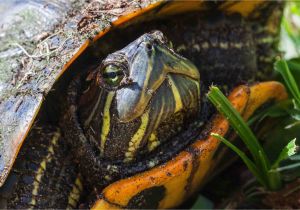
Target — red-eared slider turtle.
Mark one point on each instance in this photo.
(126, 118)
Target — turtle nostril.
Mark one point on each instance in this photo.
(149, 46)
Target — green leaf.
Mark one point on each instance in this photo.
(282, 67)
(239, 125)
(287, 167)
(294, 66)
(287, 151)
(264, 162)
(295, 157)
(251, 166)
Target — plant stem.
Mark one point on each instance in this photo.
(282, 67)
(274, 180)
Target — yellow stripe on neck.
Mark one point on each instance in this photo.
(153, 142)
(74, 195)
(42, 168)
(106, 121)
(137, 137)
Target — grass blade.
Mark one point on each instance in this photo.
(288, 167)
(251, 166)
(282, 67)
(239, 125)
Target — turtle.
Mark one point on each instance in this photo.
(122, 121)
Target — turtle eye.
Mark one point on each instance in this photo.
(112, 75)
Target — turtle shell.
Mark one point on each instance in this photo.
(67, 48)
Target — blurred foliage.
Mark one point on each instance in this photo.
(203, 203)
(290, 30)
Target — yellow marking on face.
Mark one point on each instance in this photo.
(191, 74)
(146, 81)
(161, 112)
(198, 90)
(137, 137)
(195, 100)
(106, 121)
(176, 94)
(192, 96)
(42, 167)
(74, 195)
(153, 141)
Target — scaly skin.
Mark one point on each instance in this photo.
(43, 175)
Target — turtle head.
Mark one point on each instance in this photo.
(140, 97)
(137, 72)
